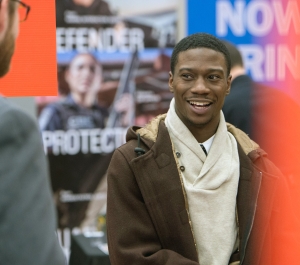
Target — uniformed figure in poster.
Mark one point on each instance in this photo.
(76, 141)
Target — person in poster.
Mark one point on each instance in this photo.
(76, 141)
(79, 110)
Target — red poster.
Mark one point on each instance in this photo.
(33, 68)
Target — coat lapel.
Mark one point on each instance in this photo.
(157, 175)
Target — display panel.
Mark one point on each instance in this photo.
(33, 67)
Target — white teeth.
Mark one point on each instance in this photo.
(201, 104)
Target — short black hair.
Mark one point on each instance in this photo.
(235, 55)
(200, 40)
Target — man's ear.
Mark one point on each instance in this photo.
(229, 79)
(4, 19)
(171, 82)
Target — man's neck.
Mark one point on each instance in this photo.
(237, 71)
(203, 134)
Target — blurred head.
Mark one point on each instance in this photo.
(200, 40)
(237, 64)
(84, 74)
(9, 28)
(235, 55)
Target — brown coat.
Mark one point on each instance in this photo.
(147, 212)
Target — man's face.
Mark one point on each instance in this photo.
(200, 84)
(7, 44)
(83, 75)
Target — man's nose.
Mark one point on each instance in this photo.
(200, 87)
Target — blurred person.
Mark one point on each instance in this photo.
(258, 109)
(79, 110)
(28, 220)
(237, 105)
(189, 188)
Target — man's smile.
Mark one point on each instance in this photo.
(199, 104)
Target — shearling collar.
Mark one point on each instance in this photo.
(150, 132)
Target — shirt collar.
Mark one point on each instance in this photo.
(207, 144)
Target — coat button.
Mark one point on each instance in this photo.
(178, 154)
(182, 168)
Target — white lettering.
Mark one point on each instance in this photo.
(270, 62)
(58, 143)
(60, 40)
(258, 18)
(253, 57)
(84, 141)
(94, 141)
(82, 40)
(107, 141)
(47, 140)
(72, 142)
(283, 21)
(104, 40)
(264, 27)
(227, 15)
(95, 135)
(285, 59)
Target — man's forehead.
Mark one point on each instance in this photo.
(202, 53)
(214, 59)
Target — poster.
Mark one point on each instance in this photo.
(113, 68)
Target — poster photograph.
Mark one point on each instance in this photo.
(112, 68)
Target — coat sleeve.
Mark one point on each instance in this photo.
(132, 238)
(282, 242)
(28, 222)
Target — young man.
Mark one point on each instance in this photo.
(190, 189)
(28, 221)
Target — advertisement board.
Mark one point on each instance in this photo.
(112, 70)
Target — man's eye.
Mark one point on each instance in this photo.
(186, 76)
(213, 77)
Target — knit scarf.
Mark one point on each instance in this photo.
(211, 184)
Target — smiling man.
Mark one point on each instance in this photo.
(188, 188)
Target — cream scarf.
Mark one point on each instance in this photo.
(211, 187)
